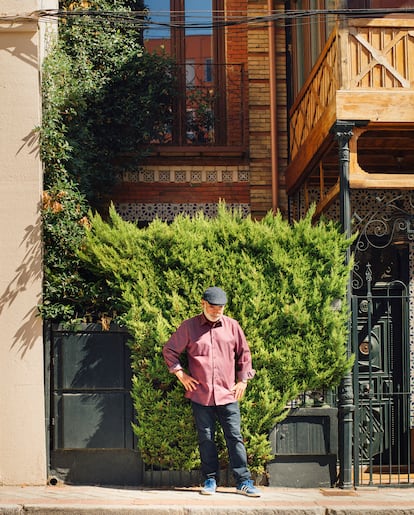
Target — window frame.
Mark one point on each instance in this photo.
(308, 39)
(178, 52)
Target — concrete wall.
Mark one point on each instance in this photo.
(22, 426)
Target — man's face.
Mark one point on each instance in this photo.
(211, 311)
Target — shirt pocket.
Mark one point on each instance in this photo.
(199, 348)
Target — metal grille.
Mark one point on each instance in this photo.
(209, 109)
(380, 339)
(90, 408)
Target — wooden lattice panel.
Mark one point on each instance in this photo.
(380, 54)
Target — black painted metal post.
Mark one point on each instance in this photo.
(343, 133)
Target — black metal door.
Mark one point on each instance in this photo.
(90, 409)
(381, 372)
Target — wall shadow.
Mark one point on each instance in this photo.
(29, 271)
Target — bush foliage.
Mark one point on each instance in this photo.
(281, 280)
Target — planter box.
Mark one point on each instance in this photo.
(180, 478)
(305, 445)
(171, 478)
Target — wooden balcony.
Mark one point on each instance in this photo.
(365, 75)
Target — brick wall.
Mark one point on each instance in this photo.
(282, 108)
(185, 182)
(259, 110)
(165, 190)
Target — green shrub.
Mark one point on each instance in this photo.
(281, 281)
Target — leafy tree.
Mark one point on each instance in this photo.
(104, 96)
(282, 281)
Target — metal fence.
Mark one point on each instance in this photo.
(380, 336)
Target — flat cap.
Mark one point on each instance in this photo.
(215, 296)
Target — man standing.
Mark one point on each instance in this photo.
(219, 366)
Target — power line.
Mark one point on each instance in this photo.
(214, 19)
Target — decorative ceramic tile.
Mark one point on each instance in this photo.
(196, 176)
(130, 176)
(164, 176)
(211, 176)
(243, 175)
(298, 206)
(227, 176)
(180, 176)
(147, 212)
(148, 175)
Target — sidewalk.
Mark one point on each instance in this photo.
(96, 500)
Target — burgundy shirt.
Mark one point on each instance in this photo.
(218, 355)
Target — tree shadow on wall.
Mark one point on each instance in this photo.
(27, 277)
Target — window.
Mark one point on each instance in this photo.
(309, 35)
(208, 73)
(185, 29)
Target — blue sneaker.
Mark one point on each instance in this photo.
(247, 488)
(209, 487)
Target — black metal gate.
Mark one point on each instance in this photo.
(380, 339)
(88, 375)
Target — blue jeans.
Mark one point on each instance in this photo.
(228, 416)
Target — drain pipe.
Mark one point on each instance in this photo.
(273, 111)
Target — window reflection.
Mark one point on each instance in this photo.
(159, 18)
(185, 30)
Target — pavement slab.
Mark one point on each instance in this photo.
(102, 500)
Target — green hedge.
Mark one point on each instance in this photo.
(281, 280)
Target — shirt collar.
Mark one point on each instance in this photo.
(205, 321)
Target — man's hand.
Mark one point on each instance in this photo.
(239, 389)
(189, 383)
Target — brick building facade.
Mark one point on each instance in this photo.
(237, 165)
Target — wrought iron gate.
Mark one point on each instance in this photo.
(380, 339)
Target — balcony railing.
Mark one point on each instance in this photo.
(208, 109)
(367, 56)
(316, 95)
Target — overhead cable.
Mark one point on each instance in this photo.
(145, 19)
